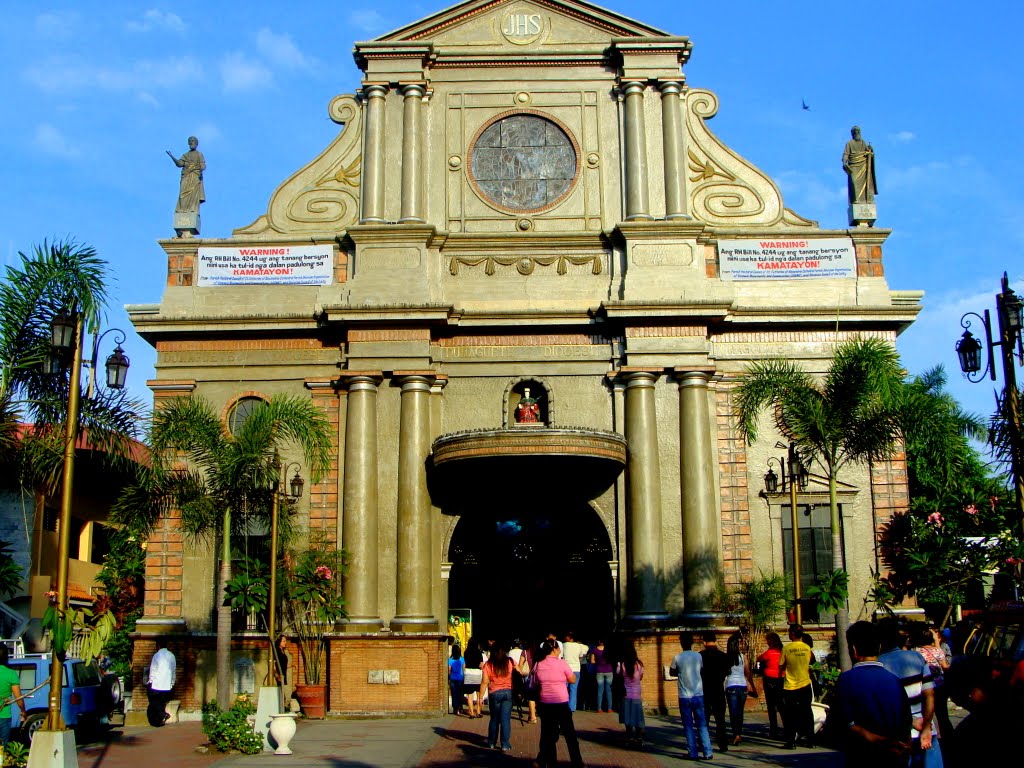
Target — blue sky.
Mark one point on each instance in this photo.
(95, 92)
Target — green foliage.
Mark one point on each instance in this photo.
(960, 521)
(313, 599)
(10, 572)
(831, 591)
(762, 600)
(231, 731)
(123, 579)
(15, 755)
(57, 277)
(249, 590)
(827, 673)
(853, 415)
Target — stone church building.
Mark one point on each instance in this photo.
(522, 282)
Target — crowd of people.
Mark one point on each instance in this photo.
(890, 709)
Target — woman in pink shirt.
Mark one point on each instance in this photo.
(553, 676)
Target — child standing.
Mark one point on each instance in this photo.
(456, 674)
(632, 713)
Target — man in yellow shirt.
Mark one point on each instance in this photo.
(797, 692)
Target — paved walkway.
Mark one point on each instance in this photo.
(432, 743)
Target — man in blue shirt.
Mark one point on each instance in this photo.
(872, 706)
(687, 667)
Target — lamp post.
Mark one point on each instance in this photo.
(1010, 316)
(66, 335)
(294, 492)
(797, 475)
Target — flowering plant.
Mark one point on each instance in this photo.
(313, 600)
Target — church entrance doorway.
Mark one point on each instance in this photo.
(533, 569)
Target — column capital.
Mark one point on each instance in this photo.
(693, 376)
(359, 380)
(631, 87)
(670, 87)
(373, 91)
(636, 376)
(413, 89)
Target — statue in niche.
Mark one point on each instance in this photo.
(528, 410)
(192, 192)
(859, 164)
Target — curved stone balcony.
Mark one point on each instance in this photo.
(518, 462)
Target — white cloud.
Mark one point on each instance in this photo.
(903, 137)
(148, 98)
(62, 75)
(808, 193)
(57, 25)
(50, 140)
(207, 132)
(367, 20)
(240, 73)
(281, 50)
(916, 175)
(156, 19)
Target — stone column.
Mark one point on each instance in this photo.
(636, 152)
(373, 155)
(414, 529)
(645, 590)
(412, 163)
(359, 528)
(702, 555)
(672, 142)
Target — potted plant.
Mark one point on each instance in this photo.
(312, 604)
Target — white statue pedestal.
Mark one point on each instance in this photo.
(186, 224)
(862, 214)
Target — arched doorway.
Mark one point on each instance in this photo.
(532, 568)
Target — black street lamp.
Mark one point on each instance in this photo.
(1010, 316)
(797, 476)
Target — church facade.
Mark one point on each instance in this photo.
(522, 283)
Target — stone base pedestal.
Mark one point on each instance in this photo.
(186, 224)
(53, 749)
(862, 214)
(268, 704)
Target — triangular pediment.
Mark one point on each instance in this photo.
(520, 23)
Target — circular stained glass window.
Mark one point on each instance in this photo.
(523, 162)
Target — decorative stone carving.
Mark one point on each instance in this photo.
(322, 197)
(724, 188)
(525, 264)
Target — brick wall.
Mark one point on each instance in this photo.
(737, 546)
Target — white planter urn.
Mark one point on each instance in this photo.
(282, 730)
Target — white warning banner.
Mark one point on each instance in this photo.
(795, 259)
(263, 265)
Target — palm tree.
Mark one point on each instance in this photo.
(851, 416)
(58, 277)
(220, 481)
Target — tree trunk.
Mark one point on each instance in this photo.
(224, 618)
(843, 614)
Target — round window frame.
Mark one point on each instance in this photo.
(520, 211)
(241, 401)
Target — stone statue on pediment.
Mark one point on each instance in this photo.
(191, 192)
(859, 164)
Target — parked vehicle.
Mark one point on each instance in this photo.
(999, 635)
(89, 698)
